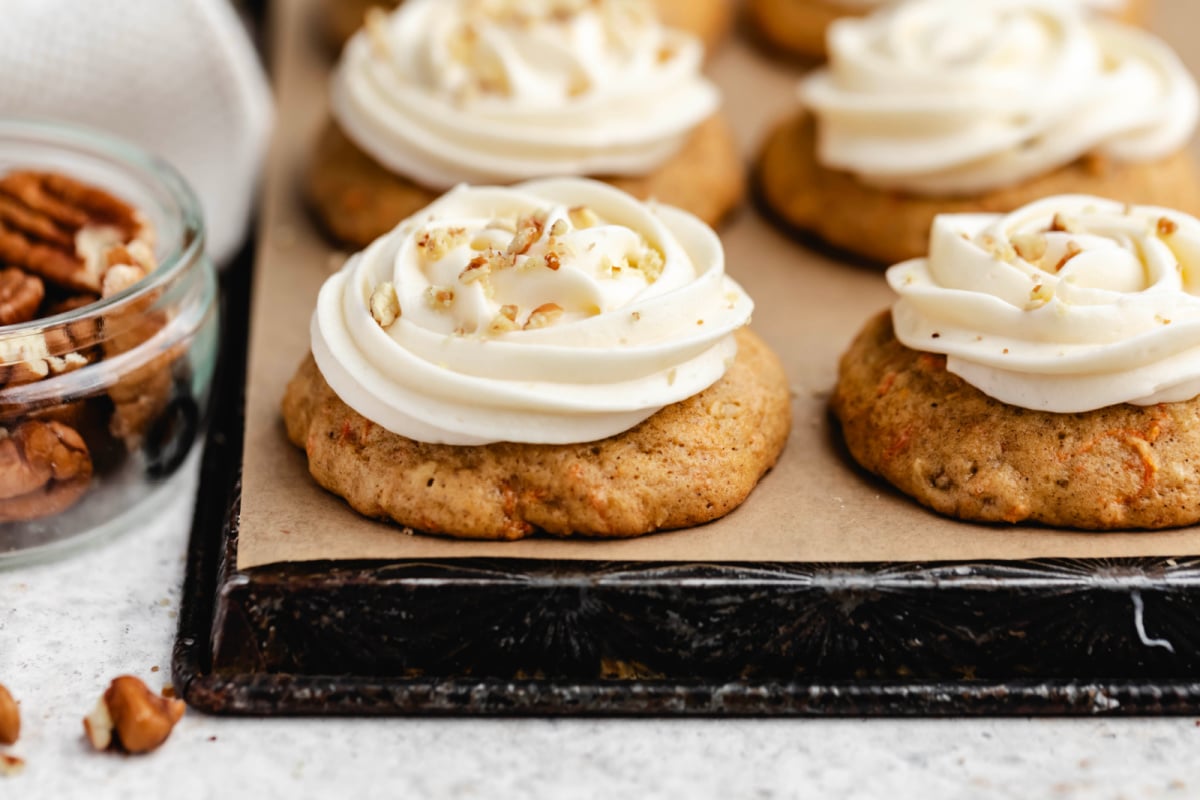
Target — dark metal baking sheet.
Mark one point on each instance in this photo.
(512, 637)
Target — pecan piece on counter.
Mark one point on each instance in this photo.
(132, 718)
(20, 296)
(60, 229)
(45, 467)
(10, 717)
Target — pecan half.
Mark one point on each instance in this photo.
(142, 394)
(20, 296)
(59, 229)
(45, 467)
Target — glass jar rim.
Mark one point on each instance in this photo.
(188, 247)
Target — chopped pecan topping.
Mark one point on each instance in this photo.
(505, 321)
(385, 304)
(1060, 225)
(1166, 226)
(1073, 249)
(1030, 246)
(439, 297)
(650, 262)
(375, 24)
(543, 316)
(477, 268)
(583, 217)
(435, 243)
(529, 230)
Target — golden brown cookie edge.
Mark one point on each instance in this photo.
(643, 480)
(888, 227)
(934, 437)
(356, 200)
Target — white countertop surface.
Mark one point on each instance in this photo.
(67, 628)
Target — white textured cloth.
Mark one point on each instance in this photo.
(178, 77)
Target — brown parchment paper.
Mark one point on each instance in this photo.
(812, 507)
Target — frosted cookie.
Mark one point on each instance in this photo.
(940, 106)
(799, 27)
(552, 357)
(707, 19)
(443, 92)
(1042, 366)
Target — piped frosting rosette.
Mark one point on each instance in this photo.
(1067, 305)
(952, 97)
(552, 312)
(497, 91)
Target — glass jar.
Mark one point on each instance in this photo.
(85, 451)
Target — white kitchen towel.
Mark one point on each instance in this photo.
(178, 77)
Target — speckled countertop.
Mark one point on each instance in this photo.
(68, 627)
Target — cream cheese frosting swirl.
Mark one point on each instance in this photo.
(497, 91)
(552, 312)
(1070, 304)
(949, 97)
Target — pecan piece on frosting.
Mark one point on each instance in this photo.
(60, 229)
(45, 467)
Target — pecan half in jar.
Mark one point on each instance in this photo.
(45, 468)
(60, 229)
(97, 374)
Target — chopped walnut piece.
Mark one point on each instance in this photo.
(1166, 226)
(560, 228)
(552, 261)
(385, 304)
(543, 316)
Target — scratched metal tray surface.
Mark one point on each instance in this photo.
(520, 637)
